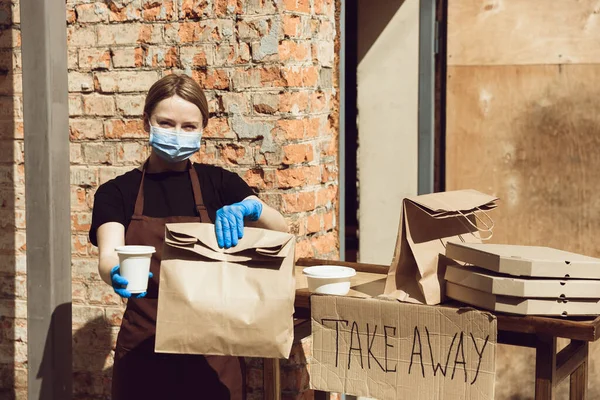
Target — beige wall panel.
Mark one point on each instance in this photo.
(387, 119)
(530, 135)
(501, 32)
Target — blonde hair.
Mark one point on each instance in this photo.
(180, 85)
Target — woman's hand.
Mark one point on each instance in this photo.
(119, 284)
(229, 224)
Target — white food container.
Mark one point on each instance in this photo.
(329, 279)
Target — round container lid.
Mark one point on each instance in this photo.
(135, 249)
(329, 271)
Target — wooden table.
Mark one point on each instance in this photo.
(527, 331)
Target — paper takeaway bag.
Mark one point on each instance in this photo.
(427, 223)
(238, 301)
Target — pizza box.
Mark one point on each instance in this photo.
(505, 285)
(521, 306)
(525, 260)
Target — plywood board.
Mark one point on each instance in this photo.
(490, 282)
(520, 306)
(529, 135)
(508, 32)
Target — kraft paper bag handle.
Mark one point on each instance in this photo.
(488, 229)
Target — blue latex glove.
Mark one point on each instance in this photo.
(119, 284)
(229, 225)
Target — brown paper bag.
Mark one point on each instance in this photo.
(427, 223)
(237, 302)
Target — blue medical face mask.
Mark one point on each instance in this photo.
(174, 146)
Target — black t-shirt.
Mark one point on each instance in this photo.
(166, 194)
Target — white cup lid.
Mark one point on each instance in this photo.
(329, 271)
(135, 249)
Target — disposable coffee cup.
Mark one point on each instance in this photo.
(134, 265)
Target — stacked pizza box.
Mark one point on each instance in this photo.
(523, 280)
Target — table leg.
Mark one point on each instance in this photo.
(545, 367)
(579, 379)
(271, 379)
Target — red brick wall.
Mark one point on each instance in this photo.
(269, 71)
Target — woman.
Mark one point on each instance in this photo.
(133, 208)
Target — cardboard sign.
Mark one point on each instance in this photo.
(389, 350)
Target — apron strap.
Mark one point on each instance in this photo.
(198, 199)
(139, 200)
(200, 207)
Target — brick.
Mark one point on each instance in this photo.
(154, 10)
(296, 76)
(235, 102)
(260, 179)
(298, 177)
(254, 28)
(98, 153)
(75, 105)
(71, 16)
(324, 7)
(319, 102)
(98, 105)
(197, 56)
(300, 6)
(244, 78)
(191, 9)
(328, 221)
(84, 176)
(89, 13)
(203, 31)
(75, 153)
(290, 129)
(81, 222)
(225, 8)
(325, 244)
(235, 154)
(217, 128)
(92, 59)
(114, 316)
(212, 78)
(72, 59)
(101, 293)
(10, 38)
(265, 103)
(227, 54)
(130, 105)
(84, 314)
(166, 57)
(125, 81)
(292, 26)
(132, 153)
(293, 102)
(325, 197)
(80, 36)
(260, 7)
(126, 10)
(298, 202)
(127, 57)
(313, 223)
(290, 50)
(105, 174)
(298, 153)
(124, 129)
(304, 249)
(85, 129)
(129, 34)
(324, 53)
(80, 82)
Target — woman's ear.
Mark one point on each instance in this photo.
(146, 123)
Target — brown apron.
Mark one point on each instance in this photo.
(139, 372)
